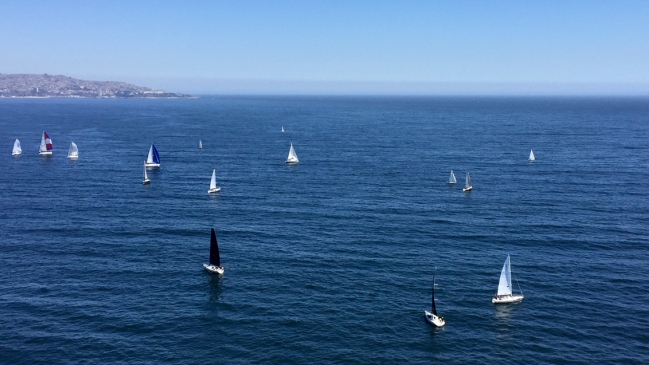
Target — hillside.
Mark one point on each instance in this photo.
(32, 85)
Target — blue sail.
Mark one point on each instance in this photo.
(156, 156)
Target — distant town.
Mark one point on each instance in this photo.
(58, 86)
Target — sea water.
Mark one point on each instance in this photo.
(330, 260)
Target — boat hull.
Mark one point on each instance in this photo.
(468, 189)
(506, 299)
(214, 269)
(216, 190)
(434, 320)
(152, 164)
(146, 182)
(45, 153)
(292, 161)
(73, 157)
(16, 154)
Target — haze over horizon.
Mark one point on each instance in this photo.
(337, 47)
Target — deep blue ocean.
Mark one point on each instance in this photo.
(331, 260)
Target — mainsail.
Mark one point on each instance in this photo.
(200, 144)
(145, 175)
(215, 257)
(154, 157)
(292, 157)
(505, 284)
(213, 182)
(532, 158)
(451, 179)
(17, 149)
(468, 180)
(73, 152)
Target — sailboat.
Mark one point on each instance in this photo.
(213, 187)
(282, 129)
(153, 160)
(532, 158)
(432, 317)
(452, 179)
(505, 293)
(200, 144)
(215, 257)
(146, 177)
(73, 152)
(17, 149)
(292, 157)
(467, 185)
(46, 145)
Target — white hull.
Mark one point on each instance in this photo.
(451, 182)
(152, 164)
(468, 188)
(214, 269)
(434, 320)
(16, 154)
(45, 153)
(504, 299)
(73, 157)
(146, 182)
(292, 161)
(215, 190)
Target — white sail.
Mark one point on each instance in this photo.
(200, 144)
(505, 284)
(452, 179)
(149, 159)
(73, 152)
(292, 157)
(282, 129)
(468, 180)
(145, 175)
(42, 148)
(17, 149)
(213, 182)
(532, 158)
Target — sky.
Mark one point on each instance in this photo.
(336, 47)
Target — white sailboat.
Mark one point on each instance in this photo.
(46, 145)
(282, 129)
(215, 256)
(73, 152)
(432, 317)
(146, 177)
(200, 144)
(213, 187)
(153, 160)
(292, 157)
(505, 292)
(452, 179)
(17, 149)
(467, 185)
(532, 158)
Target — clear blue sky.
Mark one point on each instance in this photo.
(334, 46)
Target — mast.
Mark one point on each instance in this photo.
(433, 299)
(215, 257)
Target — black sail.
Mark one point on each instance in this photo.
(215, 257)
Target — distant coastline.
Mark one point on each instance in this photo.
(59, 86)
